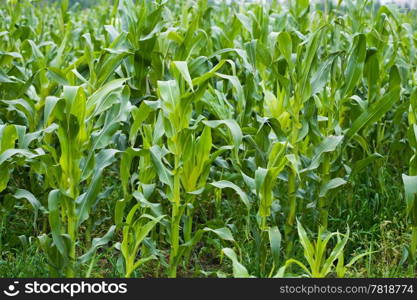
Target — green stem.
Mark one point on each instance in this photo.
(175, 233)
(175, 222)
(72, 232)
(45, 225)
(129, 267)
(188, 227)
(289, 228)
(263, 224)
(263, 250)
(292, 198)
(323, 202)
(292, 182)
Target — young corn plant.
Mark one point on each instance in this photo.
(68, 205)
(320, 263)
(135, 231)
(176, 105)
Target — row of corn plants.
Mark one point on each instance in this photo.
(173, 134)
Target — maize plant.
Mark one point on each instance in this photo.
(154, 138)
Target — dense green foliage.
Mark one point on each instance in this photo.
(200, 138)
(81, 3)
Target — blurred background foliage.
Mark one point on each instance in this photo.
(83, 3)
(401, 3)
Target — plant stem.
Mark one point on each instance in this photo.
(72, 232)
(175, 221)
(323, 205)
(188, 227)
(175, 232)
(289, 228)
(263, 224)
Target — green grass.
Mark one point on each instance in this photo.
(199, 139)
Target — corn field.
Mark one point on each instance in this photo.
(202, 138)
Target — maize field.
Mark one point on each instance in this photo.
(202, 138)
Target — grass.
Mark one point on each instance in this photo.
(203, 139)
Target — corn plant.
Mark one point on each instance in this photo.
(319, 264)
(134, 232)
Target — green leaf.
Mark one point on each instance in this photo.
(24, 194)
(85, 201)
(239, 271)
(363, 163)
(374, 113)
(234, 128)
(54, 202)
(410, 187)
(355, 64)
(328, 144)
(224, 233)
(182, 67)
(227, 184)
(8, 137)
(305, 242)
(285, 46)
(163, 172)
(99, 95)
(96, 244)
(275, 244)
(332, 184)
